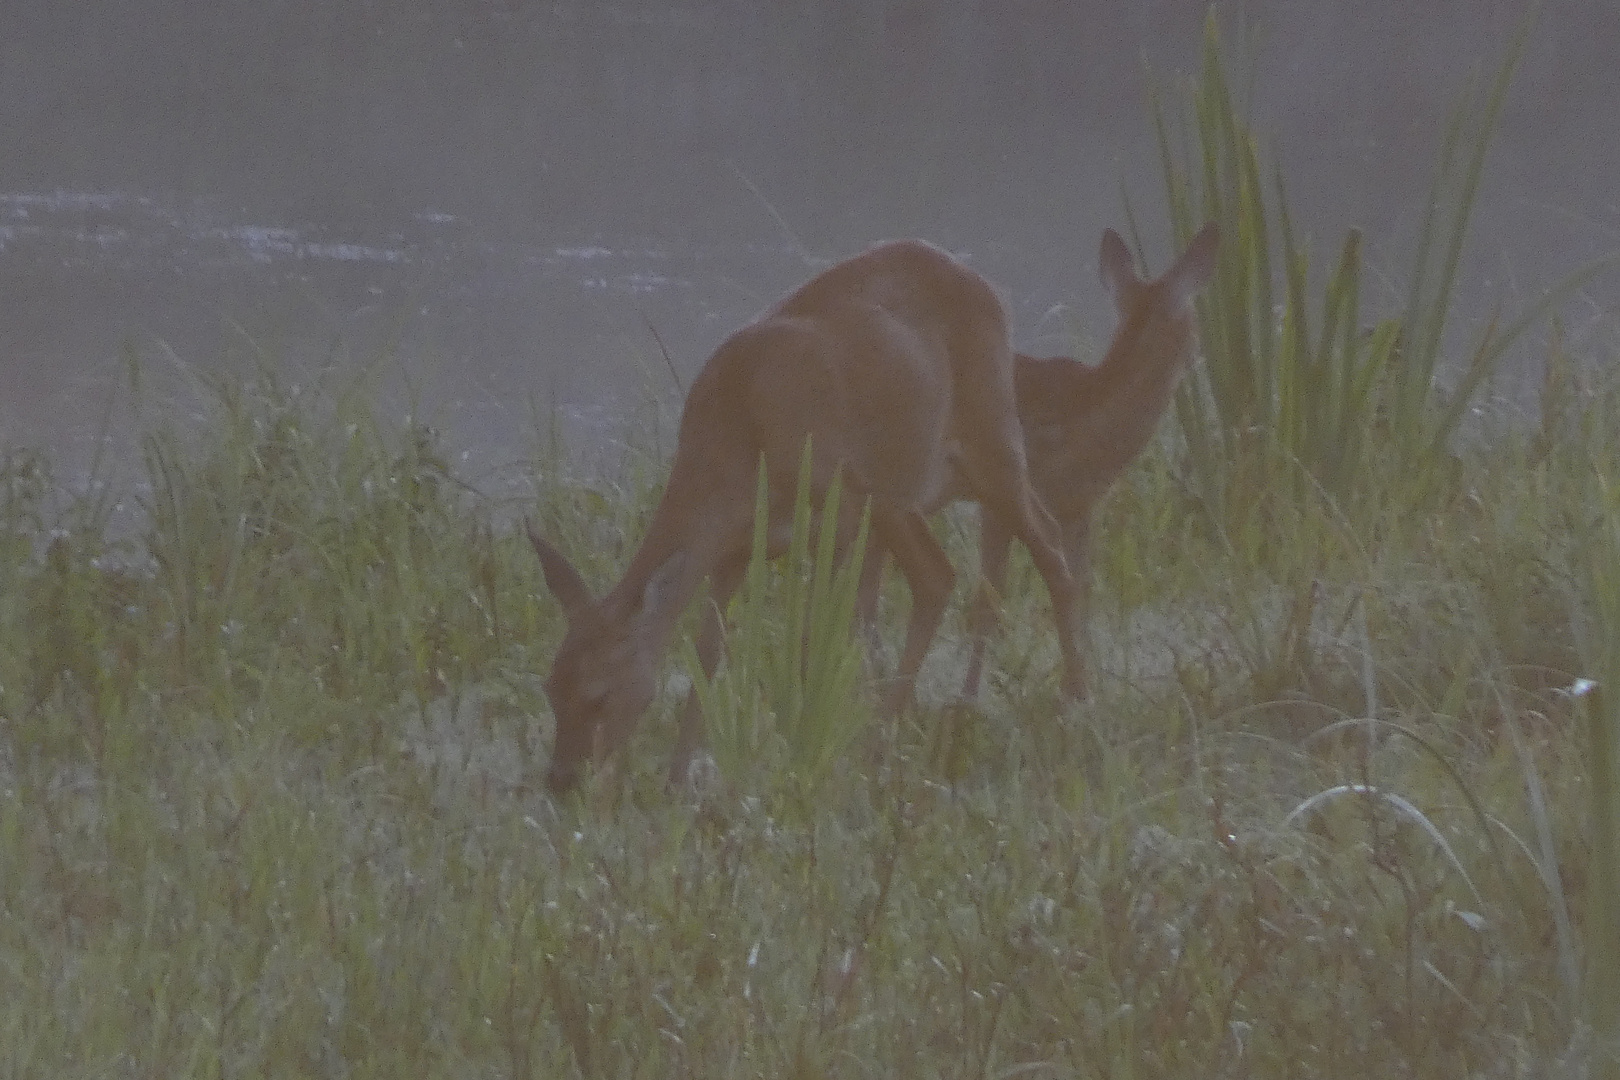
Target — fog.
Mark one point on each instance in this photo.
(510, 197)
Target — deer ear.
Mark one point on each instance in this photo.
(561, 577)
(1196, 266)
(1115, 266)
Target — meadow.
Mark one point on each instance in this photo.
(1343, 802)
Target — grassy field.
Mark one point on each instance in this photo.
(1342, 805)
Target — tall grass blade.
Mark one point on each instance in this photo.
(788, 693)
(1293, 390)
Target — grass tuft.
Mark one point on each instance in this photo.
(788, 698)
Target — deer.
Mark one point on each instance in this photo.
(1084, 425)
(895, 367)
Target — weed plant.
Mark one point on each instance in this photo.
(271, 799)
(788, 697)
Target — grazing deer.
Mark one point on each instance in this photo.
(896, 365)
(1083, 425)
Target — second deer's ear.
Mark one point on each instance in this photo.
(561, 577)
(1196, 266)
(1115, 266)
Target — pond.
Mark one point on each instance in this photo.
(554, 209)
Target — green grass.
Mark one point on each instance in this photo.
(271, 796)
(270, 799)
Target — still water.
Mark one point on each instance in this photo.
(522, 206)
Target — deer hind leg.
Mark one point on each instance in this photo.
(1000, 478)
(1035, 528)
(929, 574)
(993, 464)
(984, 615)
(1077, 552)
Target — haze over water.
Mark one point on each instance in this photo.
(505, 195)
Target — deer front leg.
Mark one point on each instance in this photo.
(1033, 525)
(711, 637)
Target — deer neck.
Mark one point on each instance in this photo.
(690, 534)
(1134, 397)
(1115, 410)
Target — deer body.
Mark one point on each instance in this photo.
(896, 365)
(1084, 425)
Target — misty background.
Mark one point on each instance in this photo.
(508, 197)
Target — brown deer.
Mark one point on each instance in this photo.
(896, 365)
(1083, 425)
